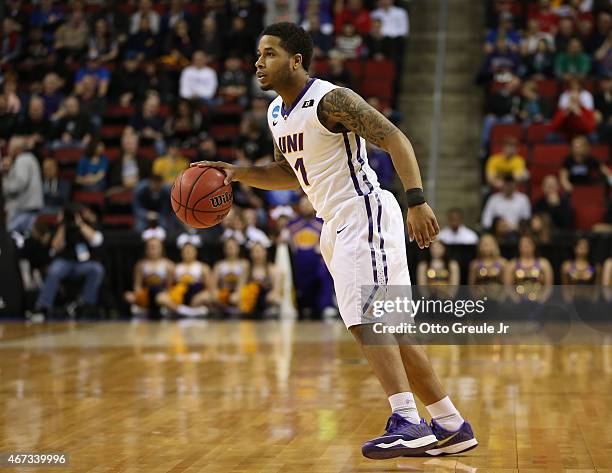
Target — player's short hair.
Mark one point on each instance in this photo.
(294, 39)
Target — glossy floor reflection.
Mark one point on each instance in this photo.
(283, 397)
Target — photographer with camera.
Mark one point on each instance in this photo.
(75, 239)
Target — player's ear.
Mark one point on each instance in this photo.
(297, 61)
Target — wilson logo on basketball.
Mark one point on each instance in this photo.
(218, 200)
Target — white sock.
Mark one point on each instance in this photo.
(404, 405)
(446, 414)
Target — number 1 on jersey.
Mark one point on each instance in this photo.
(299, 166)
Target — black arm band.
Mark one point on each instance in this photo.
(415, 196)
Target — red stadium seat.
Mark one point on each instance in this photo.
(110, 132)
(383, 89)
(118, 111)
(379, 70)
(511, 130)
(225, 152)
(147, 152)
(49, 219)
(126, 221)
(68, 155)
(548, 88)
(112, 154)
(551, 154)
(589, 204)
(538, 132)
(190, 153)
(89, 198)
(229, 109)
(68, 174)
(601, 152)
(355, 66)
(321, 67)
(121, 198)
(224, 132)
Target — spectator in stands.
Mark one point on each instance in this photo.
(92, 168)
(530, 44)
(145, 10)
(149, 124)
(509, 204)
(500, 62)
(352, 12)
(252, 233)
(258, 112)
(72, 245)
(603, 109)
(540, 228)
(35, 49)
(234, 226)
(603, 26)
(280, 10)
(126, 172)
(540, 64)
(394, 19)
(210, 40)
(554, 204)
(56, 191)
(606, 279)
(261, 294)
(322, 39)
(380, 161)
(572, 62)
(15, 11)
(579, 270)
(176, 12)
(233, 83)
(507, 162)
(157, 79)
(91, 103)
(506, 32)
(489, 266)
(207, 149)
(438, 268)
(103, 44)
(313, 283)
(455, 232)
(144, 41)
(47, 17)
(184, 124)
(21, 186)
(178, 45)
(9, 92)
(503, 233)
(575, 113)
(338, 74)
(534, 107)
(228, 278)
(377, 46)
(603, 57)
(170, 165)
(128, 81)
(72, 128)
(253, 146)
(190, 295)
(580, 167)
(11, 42)
(503, 107)
(8, 121)
(35, 126)
(242, 39)
(152, 276)
(565, 34)
(349, 43)
(151, 204)
(93, 68)
(51, 94)
(546, 17)
(528, 272)
(71, 37)
(199, 81)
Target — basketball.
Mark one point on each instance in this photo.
(200, 198)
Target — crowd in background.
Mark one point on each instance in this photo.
(105, 103)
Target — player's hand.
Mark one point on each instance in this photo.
(231, 172)
(422, 225)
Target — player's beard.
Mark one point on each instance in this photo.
(280, 79)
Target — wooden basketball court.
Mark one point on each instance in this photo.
(283, 397)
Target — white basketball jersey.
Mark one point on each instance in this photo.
(331, 167)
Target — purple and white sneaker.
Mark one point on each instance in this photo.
(401, 437)
(449, 442)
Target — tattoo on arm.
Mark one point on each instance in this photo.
(342, 110)
(280, 159)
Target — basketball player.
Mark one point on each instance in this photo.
(319, 133)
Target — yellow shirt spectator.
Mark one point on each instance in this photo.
(170, 166)
(508, 162)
